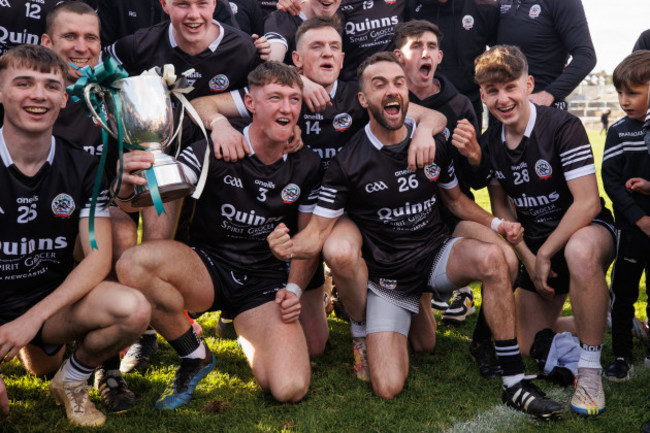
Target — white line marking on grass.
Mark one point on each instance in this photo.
(500, 418)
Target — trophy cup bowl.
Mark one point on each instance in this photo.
(146, 120)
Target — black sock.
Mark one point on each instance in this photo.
(509, 357)
(186, 343)
(112, 363)
(481, 330)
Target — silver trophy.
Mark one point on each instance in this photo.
(147, 120)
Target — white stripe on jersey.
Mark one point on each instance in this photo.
(570, 153)
(577, 158)
(580, 172)
(314, 194)
(191, 158)
(306, 208)
(276, 38)
(101, 208)
(239, 103)
(327, 213)
(448, 185)
(113, 54)
(626, 146)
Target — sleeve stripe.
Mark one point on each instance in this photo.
(327, 213)
(578, 158)
(239, 103)
(325, 199)
(574, 150)
(305, 208)
(625, 150)
(449, 185)
(626, 146)
(580, 172)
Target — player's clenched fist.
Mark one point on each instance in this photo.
(280, 242)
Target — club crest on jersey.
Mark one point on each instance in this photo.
(534, 11)
(233, 8)
(432, 171)
(290, 193)
(446, 133)
(543, 169)
(63, 205)
(342, 122)
(468, 22)
(219, 83)
(387, 284)
(390, 2)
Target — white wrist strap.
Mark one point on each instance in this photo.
(495, 224)
(294, 288)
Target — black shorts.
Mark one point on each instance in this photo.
(236, 292)
(558, 263)
(49, 349)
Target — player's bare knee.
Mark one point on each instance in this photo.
(132, 311)
(582, 260)
(291, 389)
(491, 262)
(386, 387)
(341, 256)
(423, 343)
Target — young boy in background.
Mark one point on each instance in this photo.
(626, 159)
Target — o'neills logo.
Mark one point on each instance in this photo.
(290, 193)
(63, 206)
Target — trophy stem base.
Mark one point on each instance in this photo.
(172, 185)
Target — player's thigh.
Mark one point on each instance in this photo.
(473, 230)
(471, 260)
(170, 263)
(593, 244)
(343, 243)
(271, 344)
(37, 362)
(105, 305)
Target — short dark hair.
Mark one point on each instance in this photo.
(381, 56)
(634, 70)
(415, 28)
(318, 23)
(500, 64)
(274, 72)
(35, 57)
(77, 7)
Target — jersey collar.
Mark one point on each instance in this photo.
(529, 126)
(6, 158)
(334, 88)
(213, 46)
(248, 141)
(378, 144)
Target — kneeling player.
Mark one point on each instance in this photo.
(406, 245)
(543, 168)
(231, 265)
(44, 208)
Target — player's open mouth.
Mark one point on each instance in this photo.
(193, 26)
(392, 108)
(282, 121)
(425, 71)
(78, 61)
(327, 66)
(36, 110)
(326, 4)
(506, 110)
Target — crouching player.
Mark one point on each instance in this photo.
(46, 301)
(543, 168)
(231, 266)
(405, 243)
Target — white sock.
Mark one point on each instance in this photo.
(590, 356)
(358, 329)
(74, 371)
(509, 381)
(199, 353)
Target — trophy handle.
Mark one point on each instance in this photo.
(97, 89)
